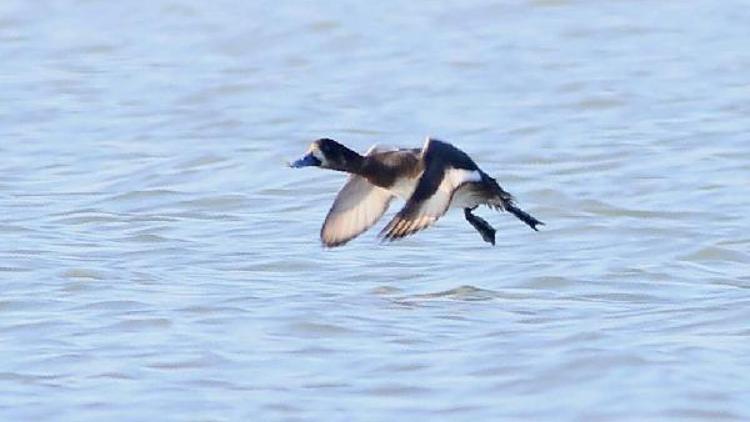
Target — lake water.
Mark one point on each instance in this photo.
(159, 261)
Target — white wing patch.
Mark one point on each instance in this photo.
(416, 217)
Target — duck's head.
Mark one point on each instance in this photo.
(327, 153)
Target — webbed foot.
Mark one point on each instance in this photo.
(481, 225)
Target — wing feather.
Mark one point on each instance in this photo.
(358, 205)
(434, 192)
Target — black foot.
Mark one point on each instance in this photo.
(524, 216)
(481, 225)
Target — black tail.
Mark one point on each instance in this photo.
(523, 216)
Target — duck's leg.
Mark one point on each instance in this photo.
(481, 225)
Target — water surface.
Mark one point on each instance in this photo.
(158, 260)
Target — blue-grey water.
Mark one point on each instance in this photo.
(158, 261)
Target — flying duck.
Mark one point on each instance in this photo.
(431, 180)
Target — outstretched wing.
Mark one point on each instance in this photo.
(446, 169)
(358, 205)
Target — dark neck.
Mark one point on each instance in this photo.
(376, 172)
(349, 161)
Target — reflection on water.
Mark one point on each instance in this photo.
(157, 251)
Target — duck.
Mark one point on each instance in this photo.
(431, 180)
